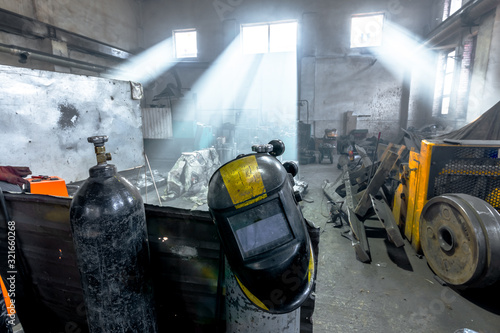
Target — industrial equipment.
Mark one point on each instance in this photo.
(108, 225)
(447, 203)
(355, 137)
(262, 230)
(50, 185)
(305, 143)
(362, 187)
(349, 145)
(328, 145)
(225, 144)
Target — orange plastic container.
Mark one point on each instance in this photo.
(48, 185)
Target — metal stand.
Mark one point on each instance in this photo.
(243, 316)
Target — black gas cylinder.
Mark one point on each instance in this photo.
(108, 224)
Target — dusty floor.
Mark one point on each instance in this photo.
(396, 292)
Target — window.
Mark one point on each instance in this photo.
(185, 43)
(269, 37)
(444, 83)
(366, 30)
(450, 7)
(466, 68)
(453, 77)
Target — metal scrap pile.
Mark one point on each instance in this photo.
(368, 189)
(359, 194)
(189, 177)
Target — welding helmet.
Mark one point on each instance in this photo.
(262, 229)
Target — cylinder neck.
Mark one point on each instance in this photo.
(102, 170)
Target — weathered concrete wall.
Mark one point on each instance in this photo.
(421, 97)
(96, 34)
(161, 17)
(114, 22)
(479, 85)
(46, 118)
(345, 80)
(358, 84)
(483, 99)
(483, 83)
(332, 77)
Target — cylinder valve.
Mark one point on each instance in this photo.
(100, 150)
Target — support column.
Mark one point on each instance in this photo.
(492, 82)
(405, 101)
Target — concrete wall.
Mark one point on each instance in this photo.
(87, 31)
(45, 124)
(485, 85)
(332, 77)
(114, 22)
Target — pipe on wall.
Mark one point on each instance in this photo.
(307, 110)
(25, 54)
(461, 18)
(33, 29)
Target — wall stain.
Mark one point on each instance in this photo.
(69, 116)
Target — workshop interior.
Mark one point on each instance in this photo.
(249, 166)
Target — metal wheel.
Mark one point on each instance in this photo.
(460, 237)
(489, 218)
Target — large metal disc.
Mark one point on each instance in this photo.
(452, 240)
(490, 222)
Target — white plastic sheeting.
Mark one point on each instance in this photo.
(190, 175)
(46, 117)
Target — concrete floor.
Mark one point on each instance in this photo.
(396, 292)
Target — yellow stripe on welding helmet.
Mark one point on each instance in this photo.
(262, 231)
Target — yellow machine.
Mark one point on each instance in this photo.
(448, 204)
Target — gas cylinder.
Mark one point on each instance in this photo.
(108, 225)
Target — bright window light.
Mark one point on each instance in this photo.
(366, 30)
(283, 37)
(444, 83)
(448, 82)
(185, 43)
(269, 37)
(450, 7)
(445, 106)
(455, 5)
(255, 39)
